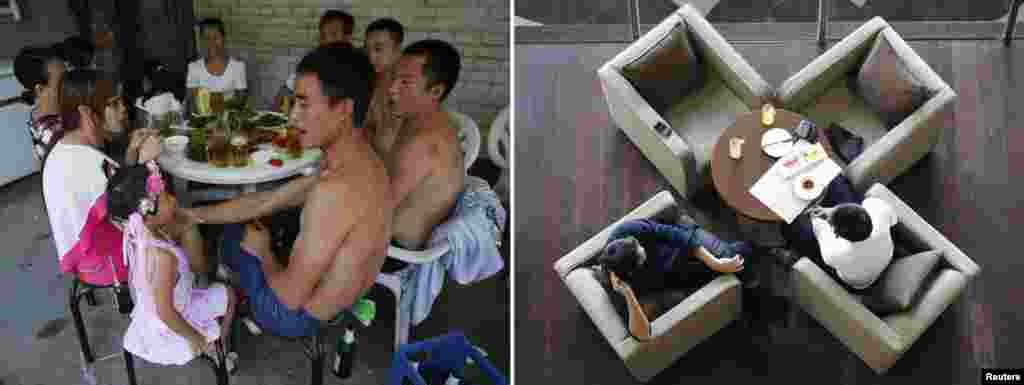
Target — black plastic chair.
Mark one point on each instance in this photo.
(78, 291)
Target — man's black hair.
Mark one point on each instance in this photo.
(212, 22)
(345, 18)
(77, 51)
(125, 190)
(30, 69)
(620, 256)
(442, 65)
(388, 24)
(851, 222)
(344, 73)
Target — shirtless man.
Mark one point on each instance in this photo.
(426, 161)
(384, 45)
(346, 217)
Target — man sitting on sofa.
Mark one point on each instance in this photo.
(645, 259)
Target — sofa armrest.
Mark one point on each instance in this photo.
(734, 70)
(942, 291)
(697, 301)
(903, 145)
(805, 86)
(595, 245)
(925, 233)
(651, 133)
(843, 315)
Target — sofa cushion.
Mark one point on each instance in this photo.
(841, 105)
(667, 71)
(901, 282)
(887, 84)
(701, 118)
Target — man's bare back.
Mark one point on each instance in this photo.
(356, 191)
(435, 145)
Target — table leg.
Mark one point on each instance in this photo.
(180, 186)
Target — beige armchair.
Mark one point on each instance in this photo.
(880, 341)
(678, 134)
(821, 92)
(700, 315)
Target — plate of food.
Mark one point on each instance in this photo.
(267, 158)
(269, 119)
(807, 187)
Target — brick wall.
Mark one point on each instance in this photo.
(272, 35)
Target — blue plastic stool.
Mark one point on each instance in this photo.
(448, 352)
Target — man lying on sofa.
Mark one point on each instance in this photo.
(645, 261)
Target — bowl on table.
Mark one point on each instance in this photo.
(176, 145)
(807, 187)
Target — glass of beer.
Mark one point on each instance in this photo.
(239, 151)
(293, 144)
(219, 150)
(217, 102)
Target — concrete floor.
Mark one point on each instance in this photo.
(38, 343)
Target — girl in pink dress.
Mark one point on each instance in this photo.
(172, 322)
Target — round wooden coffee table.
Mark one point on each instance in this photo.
(734, 177)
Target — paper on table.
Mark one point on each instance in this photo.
(777, 192)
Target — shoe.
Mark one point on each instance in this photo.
(685, 219)
(784, 257)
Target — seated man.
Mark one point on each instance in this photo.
(644, 258)
(335, 27)
(383, 43)
(346, 218)
(848, 236)
(426, 161)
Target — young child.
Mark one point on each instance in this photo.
(173, 322)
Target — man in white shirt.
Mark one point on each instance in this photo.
(855, 240)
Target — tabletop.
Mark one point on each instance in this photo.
(733, 178)
(254, 173)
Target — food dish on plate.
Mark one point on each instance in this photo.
(807, 187)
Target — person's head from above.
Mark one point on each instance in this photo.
(332, 91)
(849, 221)
(92, 106)
(40, 70)
(77, 52)
(384, 43)
(623, 257)
(141, 190)
(213, 34)
(336, 26)
(158, 79)
(424, 76)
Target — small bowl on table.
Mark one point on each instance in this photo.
(176, 145)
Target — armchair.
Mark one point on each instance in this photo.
(700, 315)
(821, 92)
(880, 341)
(678, 132)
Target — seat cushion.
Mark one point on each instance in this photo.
(667, 71)
(901, 283)
(840, 105)
(887, 84)
(702, 117)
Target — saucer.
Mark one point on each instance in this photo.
(804, 193)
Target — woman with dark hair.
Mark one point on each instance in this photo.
(75, 170)
(40, 70)
(216, 71)
(173, 321)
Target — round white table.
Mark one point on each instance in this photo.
(237, 179)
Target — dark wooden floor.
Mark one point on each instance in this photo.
(576, 173)
(616, 11)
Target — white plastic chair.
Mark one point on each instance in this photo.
(469, 135)
(498, 151)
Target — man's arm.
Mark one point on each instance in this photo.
(826, 237)
(323, 231)
(408, 166)
(257, 204)
(639, 325)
